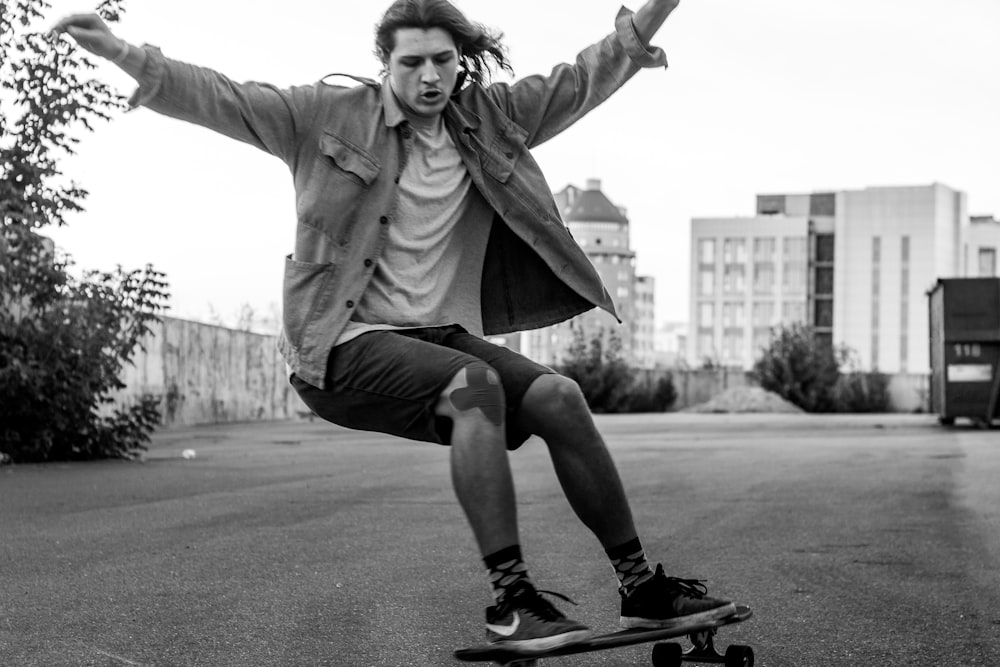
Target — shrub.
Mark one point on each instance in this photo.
(657, 396)
(63, 340)
(857, 391)
(800, 368)
(606, 380)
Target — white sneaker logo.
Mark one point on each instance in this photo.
(505, 630)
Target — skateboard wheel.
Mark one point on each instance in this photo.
(668, 654)
(739, 656)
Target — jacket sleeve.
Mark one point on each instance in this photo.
(259, 114)
(546, 105)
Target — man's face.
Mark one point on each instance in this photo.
(422, 69)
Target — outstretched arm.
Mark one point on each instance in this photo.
(93, 34)
(651, 16)
(272, 119)
(544, 106)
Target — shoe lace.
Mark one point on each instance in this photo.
(692, 588)
(530, 600)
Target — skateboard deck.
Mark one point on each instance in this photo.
(664, 654)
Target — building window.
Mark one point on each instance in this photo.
(734, 251)
(706, 281)
(824, 280)
(763, 249)
(761, 340)
(732, 344)
(734, 257)
(706, 346)
(706, 251)
(763, 278)
(706, 315)
(824, 313)
(824, 248)
(763, 265)
(734, 279)
(987, 262)
(794, 274)
(793, 312)
(763, 314)
(733, 315)
(762, 319)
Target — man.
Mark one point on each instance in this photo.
(423, 224)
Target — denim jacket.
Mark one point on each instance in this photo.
(346, 155)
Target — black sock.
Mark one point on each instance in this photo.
(506, 569)
(629, 561)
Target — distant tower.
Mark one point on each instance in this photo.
(602, 230)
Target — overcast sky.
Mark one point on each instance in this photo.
(776, 96)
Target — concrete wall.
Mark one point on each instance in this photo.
(207, 374)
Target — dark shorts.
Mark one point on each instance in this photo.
(390, 381)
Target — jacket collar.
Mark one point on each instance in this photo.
(454, 115)
(393, 113)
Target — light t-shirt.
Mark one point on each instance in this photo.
(430, 271)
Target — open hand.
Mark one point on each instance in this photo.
(92, 33)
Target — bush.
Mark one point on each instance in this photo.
(800, 368)
(63, 340)
(658, 396)
(862, 392)
(606, 380)
(63, 343)
(807, 372)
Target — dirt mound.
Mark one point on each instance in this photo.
(745, 399)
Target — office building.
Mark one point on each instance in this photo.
(855, 265)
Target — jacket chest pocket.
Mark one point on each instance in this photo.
(503, 152)
(347, 161)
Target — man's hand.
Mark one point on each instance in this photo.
(91, 33)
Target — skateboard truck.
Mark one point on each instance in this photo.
(672, 654)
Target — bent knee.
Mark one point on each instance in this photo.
(474, 391)
(559, 396)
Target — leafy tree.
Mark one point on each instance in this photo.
(800, 367)
(63, 340)
(599, 369)
(607, 381)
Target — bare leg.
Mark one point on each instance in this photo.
(554, 409)
(480, 468)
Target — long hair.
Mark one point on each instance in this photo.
(480, 49)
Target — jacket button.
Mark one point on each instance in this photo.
(350, 304)
(368, 263)
(384, 220)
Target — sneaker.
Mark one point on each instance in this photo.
(525, 621)
(664, 602)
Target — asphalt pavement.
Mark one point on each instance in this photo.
(857, 540)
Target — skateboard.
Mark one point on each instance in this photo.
(665, 654)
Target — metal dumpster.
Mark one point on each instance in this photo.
(965, 349)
